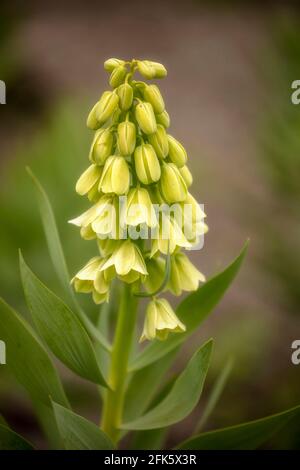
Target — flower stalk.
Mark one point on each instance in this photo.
(114, 397)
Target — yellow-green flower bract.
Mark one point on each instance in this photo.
(133, 158)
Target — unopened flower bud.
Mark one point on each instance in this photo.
(126, 137)
(88, 179)
(156, 268)
(163, 119)
(171, 184)
(160, 321)
(101, 146)
(150, 69)
(92, 121)
(146, 164)
(186, 175)
(117, 76)
(106, 106)
(125, 94)
(145, 117)
(177, 153)
(111, 64)
(159, 142)
(152, 95)
(115, 176)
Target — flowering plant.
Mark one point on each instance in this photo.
(141, 217)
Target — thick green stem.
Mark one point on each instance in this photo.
(114, 398)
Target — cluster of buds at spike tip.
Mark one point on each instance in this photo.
(135, 167)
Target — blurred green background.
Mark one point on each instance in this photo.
(230, 68)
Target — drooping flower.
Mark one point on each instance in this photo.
(184, 276)
(90, 279)
(127, 261)
(139, 208)
(160, 321)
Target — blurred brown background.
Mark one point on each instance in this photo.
(230, 67)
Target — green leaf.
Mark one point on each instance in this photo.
(183, 396)
(143, 386)
(10, 440)
(58, 258)
(27, 358)
(193, 310)
(215, 393)
(60, 327)
(153, 438)
(246, 436)
(78, 433)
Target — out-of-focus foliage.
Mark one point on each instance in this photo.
(57, 154)
(280, 157)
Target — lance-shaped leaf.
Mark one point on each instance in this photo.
(58, 259)
(78, 433)
(27, 358)
(215, 393)
(246, 436)
(192, 311)
(143, 386)
(10, 440)
(183, 396)
(60, 327)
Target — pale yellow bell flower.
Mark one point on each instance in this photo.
(139, 208)
(90, 279)
(160, 321)
(184, 276)
(88, 217)
(125, 259)
(168, 237)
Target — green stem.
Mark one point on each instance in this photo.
(114, 398)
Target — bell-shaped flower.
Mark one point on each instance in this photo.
(168, 236)
(99, 219)
(127, 261)
(139, 208)
(160, 321)
(184, 276)
(90, 279)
